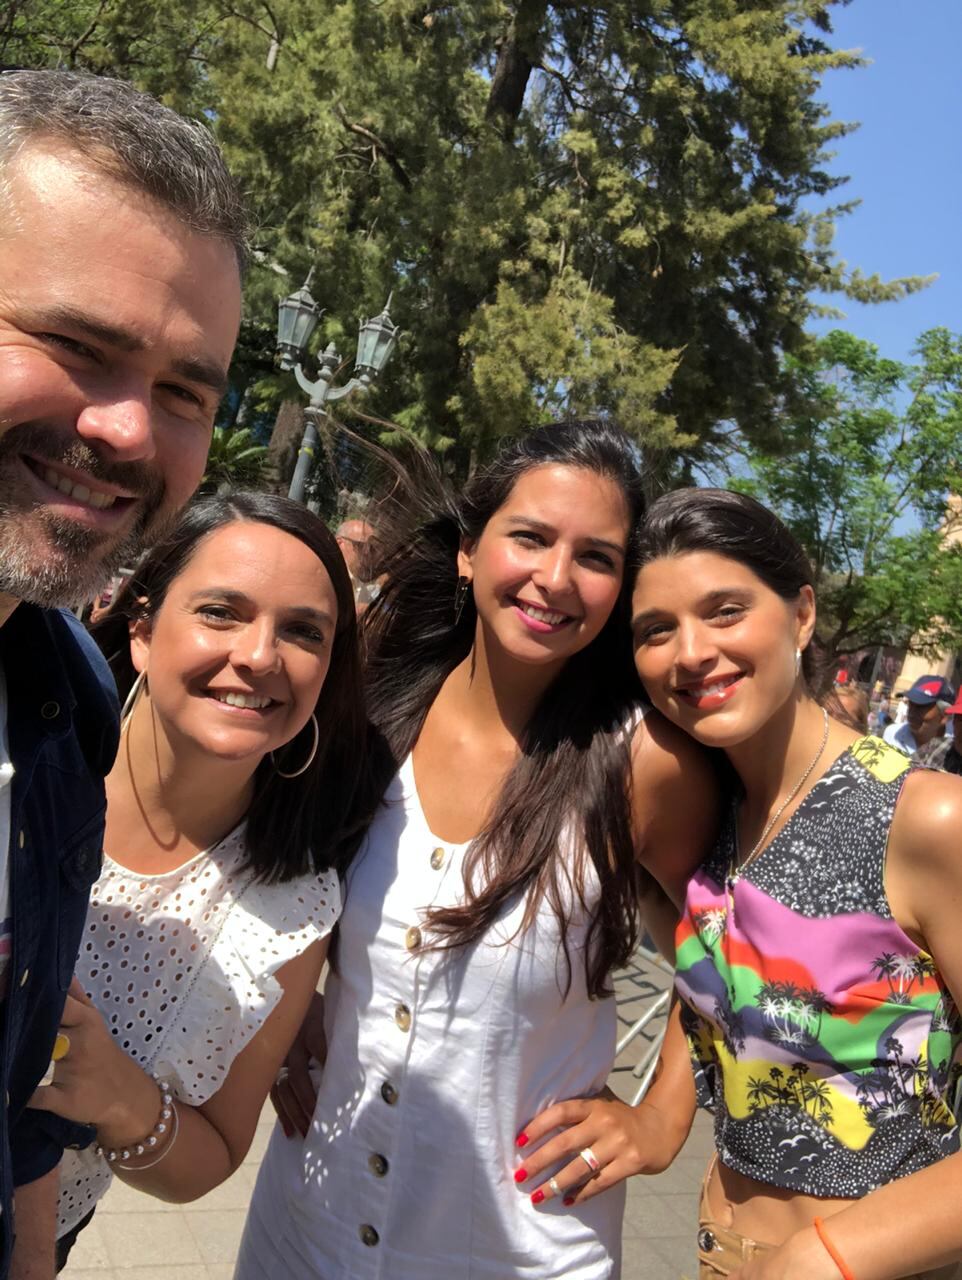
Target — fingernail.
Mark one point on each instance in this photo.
(537, 1197)
(521, 1140)
(568, 1201)
(520, 1175)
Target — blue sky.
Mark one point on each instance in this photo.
(904, 162)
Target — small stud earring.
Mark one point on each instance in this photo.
(460, 597)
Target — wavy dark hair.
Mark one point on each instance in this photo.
(573, 773)
(294, 825)
(737, 527)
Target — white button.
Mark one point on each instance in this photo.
(412, 939)
(402, 1016)
(437, 859)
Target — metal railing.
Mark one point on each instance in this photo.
(656, 1009)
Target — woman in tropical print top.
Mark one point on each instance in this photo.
(819, 955)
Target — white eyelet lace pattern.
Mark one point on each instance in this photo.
(182, 966)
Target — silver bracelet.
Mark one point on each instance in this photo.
(174, 1128)
(112, 1154)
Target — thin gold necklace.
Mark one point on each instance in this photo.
(735, 869)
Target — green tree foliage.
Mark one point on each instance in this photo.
(235, 461)
(619, 207)
(868, 475)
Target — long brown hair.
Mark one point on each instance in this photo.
(571, 780)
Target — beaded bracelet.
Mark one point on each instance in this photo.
(165, 1150)
(112, 1154)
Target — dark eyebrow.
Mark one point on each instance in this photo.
(231, 596)
(195, 368)
(530, 523)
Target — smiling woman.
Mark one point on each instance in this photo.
(237, 797)
(818, 953)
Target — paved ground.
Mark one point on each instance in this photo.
(134, 1237)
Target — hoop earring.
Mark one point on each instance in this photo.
(296, 773)
(140, 683)
(460, 597)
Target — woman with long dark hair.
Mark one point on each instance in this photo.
(494, 894)
(232, 809)
(818, 956)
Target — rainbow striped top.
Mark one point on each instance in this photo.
(823, 1039)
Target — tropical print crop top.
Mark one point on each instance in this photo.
(823, 1038)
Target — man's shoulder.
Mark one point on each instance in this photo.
(899, 735)
(74, 635)
(85, 666)
(49, 650)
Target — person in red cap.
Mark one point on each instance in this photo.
(929, 701)
(945, 753)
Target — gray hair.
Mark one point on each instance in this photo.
(130, 136)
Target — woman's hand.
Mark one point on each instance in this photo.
(293, 1094)
(94, 1082)
(802, 1254)
(624, 1140)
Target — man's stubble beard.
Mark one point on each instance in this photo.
(50, 560)
(58, 563)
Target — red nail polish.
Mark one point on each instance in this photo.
(568, 1201)
(537, 1197)
(520, 1175)
(521, 1140)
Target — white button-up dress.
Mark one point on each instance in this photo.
(436, 1062)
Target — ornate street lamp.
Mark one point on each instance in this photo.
(297, 318)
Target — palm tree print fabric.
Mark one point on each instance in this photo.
(823, 1038)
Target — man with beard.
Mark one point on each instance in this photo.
(121, 244)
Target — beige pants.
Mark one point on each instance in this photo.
(722, 1251)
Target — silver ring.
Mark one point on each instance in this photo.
(555, 1189)
(590, 1159)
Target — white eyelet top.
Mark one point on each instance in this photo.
(182, 966)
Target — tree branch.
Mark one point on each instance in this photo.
(517, 58)
(81, 40)
(378, 146)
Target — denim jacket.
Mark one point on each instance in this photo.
(62, 726)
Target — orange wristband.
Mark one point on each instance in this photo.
(830, 1249)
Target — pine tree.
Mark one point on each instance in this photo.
(605, 207)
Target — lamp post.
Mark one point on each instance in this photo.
(297, 318)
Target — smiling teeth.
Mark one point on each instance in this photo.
(543, 615)
(79, 492)
(709, 689)
(242, 700)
